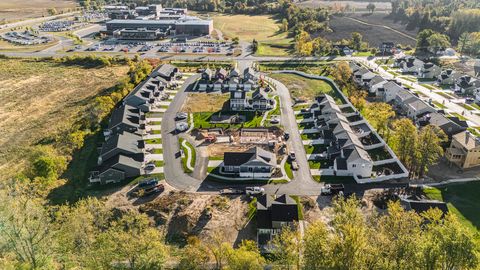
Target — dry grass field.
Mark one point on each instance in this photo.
(203, 102)
(15, 10)
(374, 32)
(303, 88)
(42, 99)
(358, 6)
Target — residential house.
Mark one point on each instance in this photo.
(429, 71)
(117, 169)
(398, 61)
(448, 77)
(207, 75)
(260, 101)
(448, 126)
(238, 100)
(125, 118)
(387, 48)
(146, 94)
(357, 75)
(344, 49)
(411, 65)
(273, 214)
(467, 84)
(253, 163)
(389, 91)
(166, 71)
(250, 75)
(376, 82)
(402, 98)
(126, 143)
(418, 107)
(234, 73)
(221, 74)
(464, 150)
(366, 78)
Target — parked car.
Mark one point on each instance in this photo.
(286, 136)
(181, 116)
(146, 183)
(469, 100)
(181, 126)
(155, 189)
(332, 189)
(150, 167)
(294, 165)
(292, 156)
(254, 190)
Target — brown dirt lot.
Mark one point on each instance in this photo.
(40, 100)
(15, 10)
(203, 102)
(186, 214)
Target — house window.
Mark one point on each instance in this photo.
(354, 165)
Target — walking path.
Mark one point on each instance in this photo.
(189, 155)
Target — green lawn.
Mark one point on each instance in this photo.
(439, 105)
(185, 157)
(288, 169)
(466, 106)
(461, 117)
(310, 136)
(463, 200)
(428, 86)
(475, 106)
(159, 163)
(157, 151)
(320, 164)
(202, 120)
(315, 149)
(306, 89)
(445, 95)
(153, 141)
(276, 110)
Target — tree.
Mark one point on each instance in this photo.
(342, 74)
(379, 114)
(52, 11)
(371, 7)
(447, 244)
(422, 40)
(317, 251)
(195, 255)
(246, 256)
(303, 44)
(356, 41)
(235, 40)
(288, 248)
(404, 140)
(321, 46)
(254, 46)
(26, 231)
(464, 42)
(429, 147)
(437, 41)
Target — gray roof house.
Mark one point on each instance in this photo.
(125, 118)
(207, 75)
(417, 107)
(448, 77)
(273, 214)
(122, 143)
(165, 71)
(429, 71)
(250, 74)
(116, 169)
(253, 163)
(447, 125)
(411, 65)
(146, 93)
(467, 84)
(403, 97)
(390, 90)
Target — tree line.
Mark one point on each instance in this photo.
(90, 235)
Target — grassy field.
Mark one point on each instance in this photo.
(41, 100)
(462, 200)
(263, 28)
(15, 10)
(303, 88)
(202, 120)
(202, 102)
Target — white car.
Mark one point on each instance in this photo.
(181, 126)
(254, 190)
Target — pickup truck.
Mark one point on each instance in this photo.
(254, 190)
(332, 189)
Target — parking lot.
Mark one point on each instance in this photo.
(193, 47)
(25, 38)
